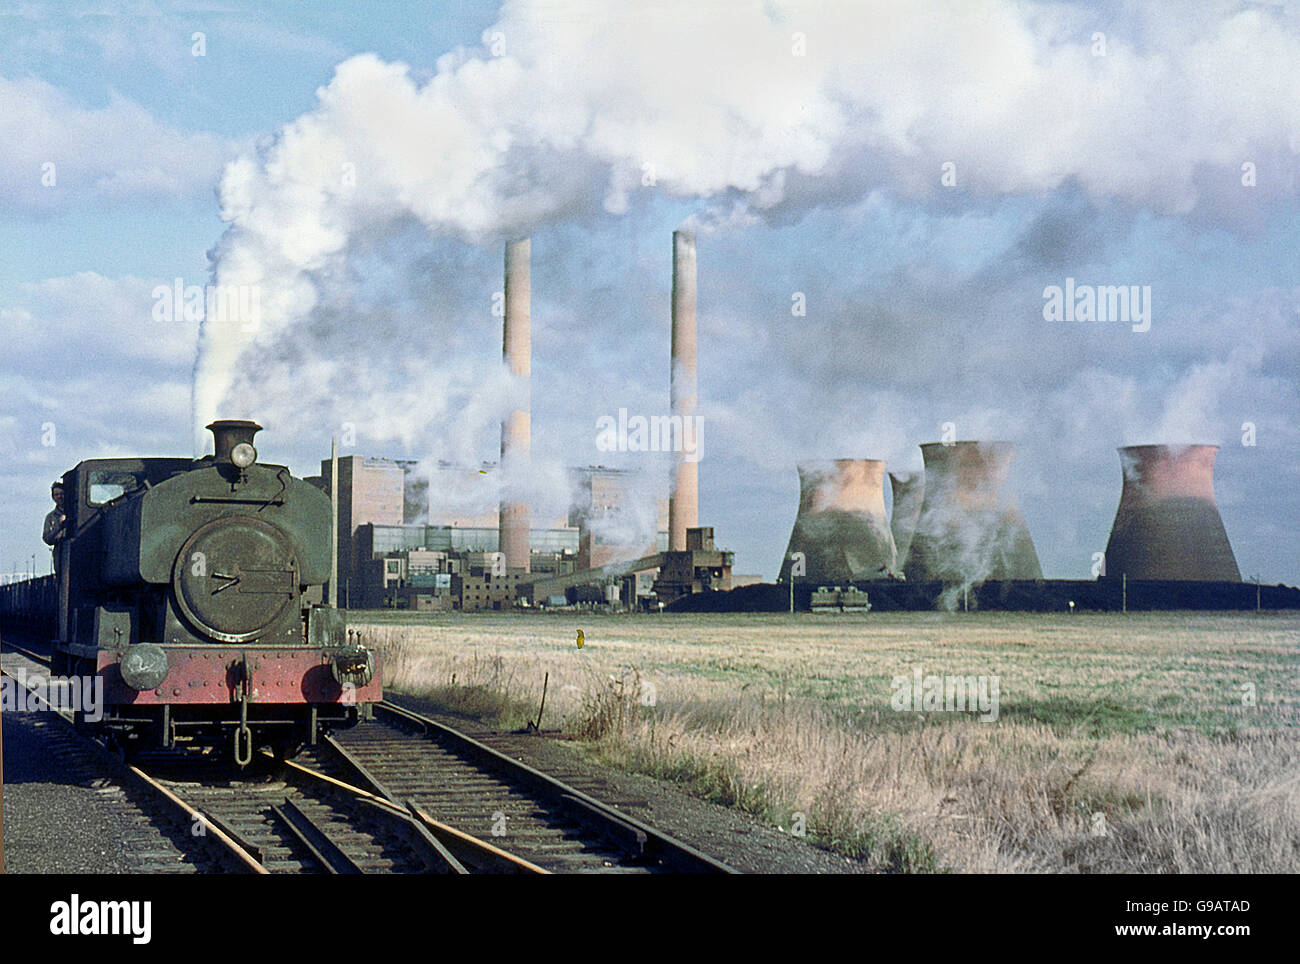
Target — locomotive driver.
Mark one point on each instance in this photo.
(55, 522)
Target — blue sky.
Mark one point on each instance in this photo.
(817, 172)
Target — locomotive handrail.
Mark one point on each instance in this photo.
(236, 500)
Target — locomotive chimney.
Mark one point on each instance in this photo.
(229, 432)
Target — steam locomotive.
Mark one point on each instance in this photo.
(189, 588)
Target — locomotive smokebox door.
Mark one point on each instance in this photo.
(236, 578)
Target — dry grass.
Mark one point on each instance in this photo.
(1138, 719)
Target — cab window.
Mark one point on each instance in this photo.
(105, 485)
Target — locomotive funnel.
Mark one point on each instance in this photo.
(230, 432)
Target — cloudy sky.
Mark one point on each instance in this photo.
(913, 175)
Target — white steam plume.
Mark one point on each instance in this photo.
(763, 109)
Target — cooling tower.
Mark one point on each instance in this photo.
(841, 528)
(684, 503)
(969, 529)
(1168, 524)
(516, 431)
(908, 489)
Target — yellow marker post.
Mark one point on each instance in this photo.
(581, 639)
(2, 801)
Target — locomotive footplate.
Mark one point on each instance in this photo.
(225, 675)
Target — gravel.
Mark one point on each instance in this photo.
(64, 816)
(56, 821)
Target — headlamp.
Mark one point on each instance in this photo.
(243, 455)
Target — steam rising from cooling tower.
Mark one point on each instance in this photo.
(1168, 524)
(969, 529)
(908, 489)
(841, 528)
(516, 431)
(684, 503)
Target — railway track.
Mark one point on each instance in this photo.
(157, 822)
(272, 818)
(404, 794)
(415, 761)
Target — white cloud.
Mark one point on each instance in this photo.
(88, 370)
(93, 317)
(112, 153)
(708, 101)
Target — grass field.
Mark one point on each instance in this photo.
(1147, 742)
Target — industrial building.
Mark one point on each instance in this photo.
(648, 583)
(401, 527)
(699, 568)
(453, 537)
(639, 575)
(908, 490)
(961, 540)
(403, 565)
(612, 512)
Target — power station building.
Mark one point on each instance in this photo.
(454, 537)
(841, 532)
(908, 489)
(464, 538)
(616, 518)
(412, 539)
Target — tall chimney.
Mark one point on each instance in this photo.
(516, 431)
(684, 503)
(970, 529)
(909, 490)
(841, 527)
(1168, 524)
